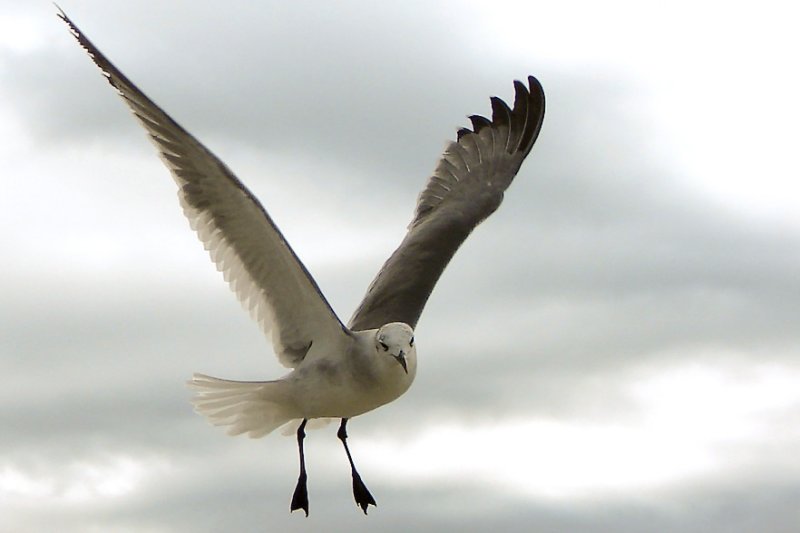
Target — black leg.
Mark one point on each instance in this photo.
(360, 492)
(300, 497)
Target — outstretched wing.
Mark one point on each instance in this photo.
(243, 241)
(466, 187)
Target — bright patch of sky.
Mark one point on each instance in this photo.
(692, 422)
(719, 79)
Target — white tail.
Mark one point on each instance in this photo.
(252, 407)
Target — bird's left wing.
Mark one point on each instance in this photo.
(466, 187)
(243, 241)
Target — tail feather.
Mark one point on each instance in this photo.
(255, 408)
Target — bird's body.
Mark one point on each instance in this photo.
(339, 370)
(357, 381)
(342, 379)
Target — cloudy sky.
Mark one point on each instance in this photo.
(617, 349)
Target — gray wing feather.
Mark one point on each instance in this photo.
(242, 240)
(466, 187)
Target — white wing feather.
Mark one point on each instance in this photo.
(243, 241)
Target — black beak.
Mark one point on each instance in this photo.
(402, 360)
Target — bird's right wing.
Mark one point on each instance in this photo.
(466, 187)
(244, 242)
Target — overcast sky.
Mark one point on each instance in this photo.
(617, 349)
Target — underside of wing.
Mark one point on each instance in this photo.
(466, 187)
(243, 241)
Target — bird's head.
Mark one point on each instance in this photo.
(396, 339)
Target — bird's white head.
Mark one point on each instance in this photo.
(396, 339)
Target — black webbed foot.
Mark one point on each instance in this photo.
(300, 496)
(361, 493)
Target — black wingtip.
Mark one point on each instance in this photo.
(116, 78)
(68, 21)
(63, 16)
(523, 121)
(534, 86)
(82, 40)
(479, 122)
(534, 96)
(520, 91)
(461, 132)
(501, 113)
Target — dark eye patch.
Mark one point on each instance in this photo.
(384, 346)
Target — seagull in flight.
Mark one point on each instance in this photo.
(338, 371)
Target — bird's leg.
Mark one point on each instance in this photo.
(360, 491)
(300, 497)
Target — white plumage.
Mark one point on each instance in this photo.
(330, 382)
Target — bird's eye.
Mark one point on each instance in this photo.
(384, 346)
(411, 342)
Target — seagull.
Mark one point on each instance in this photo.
(338, 371)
